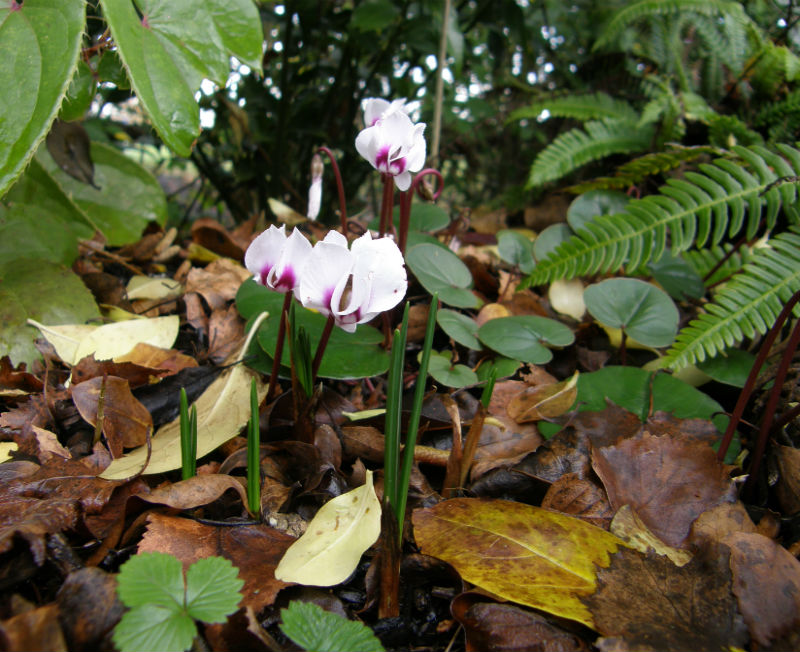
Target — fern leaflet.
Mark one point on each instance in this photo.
(746, 306)
(578, 107)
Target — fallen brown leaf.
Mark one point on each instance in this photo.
(89, 609)
(653, 604)
(195, 492)
(33, 630)
(33, 519)
(579, 497)
(254, 549)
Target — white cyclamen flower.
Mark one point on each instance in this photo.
(354, 285)
(391, 142)
(276, 260)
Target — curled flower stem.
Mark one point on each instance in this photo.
(339, 187)
(405, 202)
(323, 342)
(276, 360)
(386, 204)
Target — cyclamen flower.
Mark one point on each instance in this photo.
(391, 142)
(354, 285)
(276, 260)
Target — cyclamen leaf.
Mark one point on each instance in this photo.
(335, 539)
(175, 44)
(40, 41)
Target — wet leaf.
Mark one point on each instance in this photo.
(33, 519)
(195, 492)
(579, 497)
(125, 421)
(522, 553)
(653, 604)
(766, 580)
(336, 537)
(37, 629)
(668, 482)
(88, 609)
(627, 525)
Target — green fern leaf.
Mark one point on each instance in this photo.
(722, 198)
(579, 107)
(746, 306)
(636, 11)
(577, 147)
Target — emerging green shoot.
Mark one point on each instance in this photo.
(188, 438)
(253, 455)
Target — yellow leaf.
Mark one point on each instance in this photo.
(627, 525)
(525, 554)
(147, 287)
(222, 411)
(566, 297)
(75, 341)
(6, 448)
(285, 214)
(336, 537)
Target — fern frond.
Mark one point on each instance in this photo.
(634, 171)
(697, 209)
(705, 260)
(577, 147)
(636, 11)
(579, 107)
(746, 306)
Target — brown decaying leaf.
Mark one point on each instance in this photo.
(195, 312)
(161, 362)
(579, 497)
(48, 445)
(718, 522)
(543, 401)
(33, 519)
(766, 580)
(136, 374)
(254, 549)
(88, 609)
(33, 630)
(668, 482)
(195, 492)
(651, 603)
(31, 412)
(241, 631)
(225, 333)
(501, 627)
(212, 235)
(126, 422)
(217, 283)
(11, 378)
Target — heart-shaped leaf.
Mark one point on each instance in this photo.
(516, 249)
(452, 375)
(594, 203)
(440, 270)
(348, 355)
(644, 312)
(40, 41)
(461, 328)
(523, 337)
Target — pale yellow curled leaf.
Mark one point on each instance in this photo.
(6, 448)
(222, 411)
(566, 297)
(73, 342)
(147, 287)
(544, 401)
(364, 414)
(336, 537)
(115, 313)
(627, 525)
(615, 339)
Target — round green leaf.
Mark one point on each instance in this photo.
(40, 41)
(348, 355)
(516, 249)
(593, 204)
(127, 197)
(32, 288)
(730, 367)
(443, 371)
(677, 277)
(523, 337)
(461, 328)
(643, 311)
(505, 367)
(440, 270)
(424, 218)
(549, 239)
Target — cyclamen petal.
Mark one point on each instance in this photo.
(275, 260)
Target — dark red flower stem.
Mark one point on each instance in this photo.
(386, 204)
(405, 203)
(276, 361)
(339, 187)
(323, 342)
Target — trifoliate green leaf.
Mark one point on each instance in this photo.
(313, 628)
